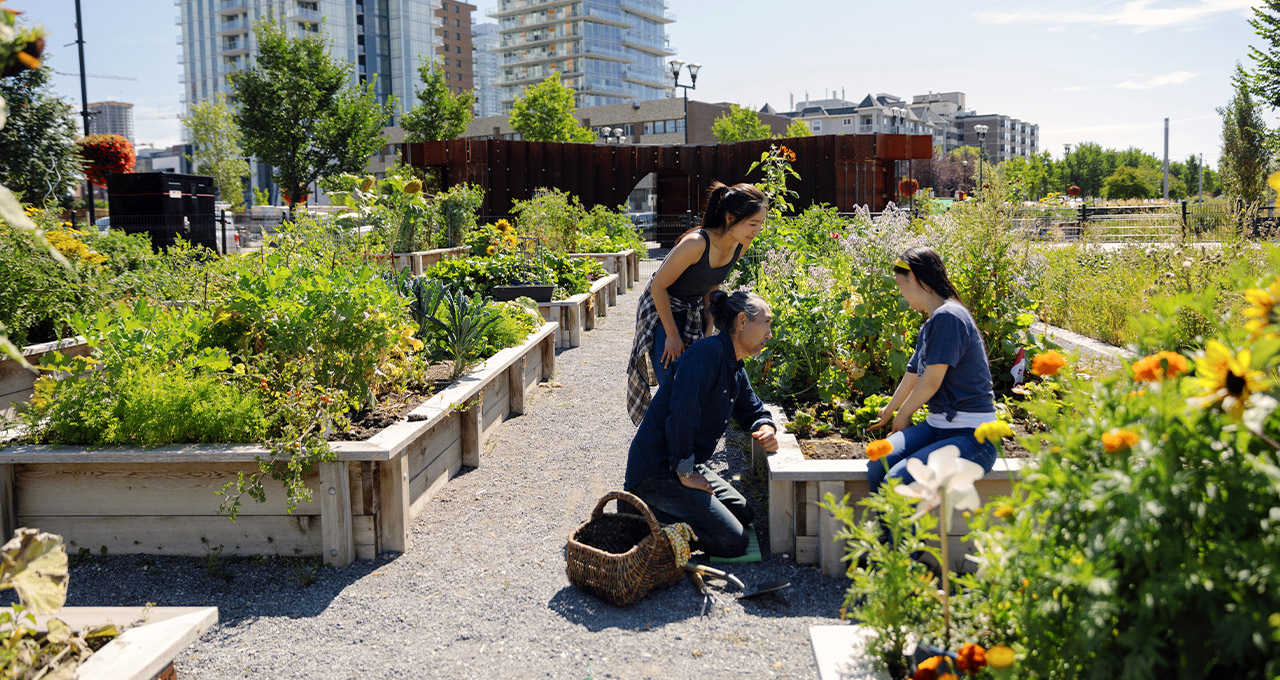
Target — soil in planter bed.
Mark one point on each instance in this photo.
(392, 407)
(838, 448)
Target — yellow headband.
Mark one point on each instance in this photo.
(902, 264)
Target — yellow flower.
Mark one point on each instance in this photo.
(491, 250)
(1223, 375)
(1047, 364)
(993, 431)
(413, 187)
(1000, 657)
(503, 226)
(879, 449)
(1005, 511)
(1153, 368)
(1119, 440)
(1261, 309)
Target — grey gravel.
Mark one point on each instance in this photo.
(482, 591)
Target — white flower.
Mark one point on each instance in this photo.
(947, 480)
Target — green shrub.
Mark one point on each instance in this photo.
(552, 216)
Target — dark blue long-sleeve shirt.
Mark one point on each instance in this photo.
(688, 416)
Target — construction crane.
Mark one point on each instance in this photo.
(94, 75)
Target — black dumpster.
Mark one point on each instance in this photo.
(164, 205)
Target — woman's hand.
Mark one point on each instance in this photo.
(672, 350)
(901, 422)
(886, 414)
(766, 436)
(697, 481)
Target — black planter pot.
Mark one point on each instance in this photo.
(540, 292)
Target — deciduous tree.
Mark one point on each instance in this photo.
(300, 113)
(215, 141)
(439, 113)
(38, 159)
(798, 128)
(545, 114)
(740, 125)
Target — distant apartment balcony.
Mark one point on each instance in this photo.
(234, 26)
(536, 77)
(231, 48)
(543, 39)
(658, 48)
(512, 7)
(526, 23)
(232, 7)
(310, 16)
(646, 10)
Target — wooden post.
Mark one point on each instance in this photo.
(393, 504)
(590, 310)
(339, 539)
(614, 291)
(575, 325)
(8, 501)
(471, 428)
(515, 388)
(549, 356)
(830, 552)
(782, 517)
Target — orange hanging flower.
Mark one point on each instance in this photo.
(1159, 366)
(1047, 364)
(1119, 440)
(879, 449)
(971, 658)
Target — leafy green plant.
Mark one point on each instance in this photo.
(553, 217)
(602, 230)
(890, 591)
(462, 329)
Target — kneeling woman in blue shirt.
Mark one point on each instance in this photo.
(666, 466)
(949, 372)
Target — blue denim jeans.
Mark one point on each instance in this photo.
(719, 521)
(662, 375)
(918, 441)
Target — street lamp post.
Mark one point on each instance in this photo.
(982, 150)
(1066, 158)
(676, 65)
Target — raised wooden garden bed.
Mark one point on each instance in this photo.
(162, 500)
(152, 639)
(17, 383)
(798, 526)
(624, 263)
(419, 261)
(579, 312)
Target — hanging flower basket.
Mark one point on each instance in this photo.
(1073, 191)
(908, 186)
(104, 155)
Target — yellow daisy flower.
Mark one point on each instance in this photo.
(1261, 309)
(1226, 376)
(993, 431)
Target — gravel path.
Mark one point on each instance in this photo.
(482, 591)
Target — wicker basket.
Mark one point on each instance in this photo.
(620, 557)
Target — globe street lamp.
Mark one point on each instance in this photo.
(676, 65)
(982, 149)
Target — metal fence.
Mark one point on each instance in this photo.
(1144, 223)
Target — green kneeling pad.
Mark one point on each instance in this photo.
(753, 550)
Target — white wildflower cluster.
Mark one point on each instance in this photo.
(820, 278)
(779, 266)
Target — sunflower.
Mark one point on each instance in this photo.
(1262, 308)
(503, 226)
(491, 250)
(1223, 375)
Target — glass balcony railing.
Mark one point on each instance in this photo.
(232, 6)
(306, 15)
(240, 25)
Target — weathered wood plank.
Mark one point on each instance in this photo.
(548, 359)
(8, 502)
(285, 536)
(472, 430)
(830, 551)
(515, 388)
(782, 524)
(435, 481)
(335, 514)
(806, 549)
(442, 437)
(140, 489)
(393, 505)
(365, 537)
(810, 508)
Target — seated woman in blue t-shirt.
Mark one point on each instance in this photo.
(948, 371)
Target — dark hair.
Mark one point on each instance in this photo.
(725, 307)
(737, 202)
(927, 265)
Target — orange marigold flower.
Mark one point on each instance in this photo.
(971, 658)
(879, 449)
(1119, 440)
(1047, 364)
(927, 669)
(1159, 366)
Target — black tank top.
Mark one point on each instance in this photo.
(701, 277)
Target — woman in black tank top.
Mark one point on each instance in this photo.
(670, 313)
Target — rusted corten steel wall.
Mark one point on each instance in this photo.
(841, 170)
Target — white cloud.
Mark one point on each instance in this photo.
(1175, 78)
(1140, 15)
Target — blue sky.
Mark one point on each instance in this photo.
(1108, 72)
